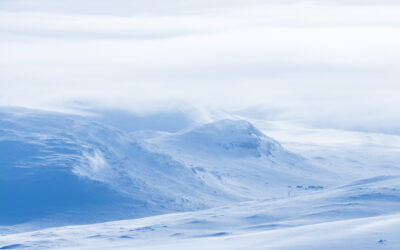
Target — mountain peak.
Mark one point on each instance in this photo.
(236, 138)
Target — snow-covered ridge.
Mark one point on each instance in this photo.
(233, 138)
(76, 169)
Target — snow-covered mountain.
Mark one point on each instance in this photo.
(222, 184)
(236, 157)
(68, 169)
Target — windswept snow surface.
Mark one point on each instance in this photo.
(63, 169)
(362, 215)
(219, 185)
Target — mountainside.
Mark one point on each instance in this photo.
(223, 184)
(59, 168)
(361, 215)
(234, 155)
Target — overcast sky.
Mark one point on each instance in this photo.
(327, 63)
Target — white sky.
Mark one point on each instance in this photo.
(328, 63)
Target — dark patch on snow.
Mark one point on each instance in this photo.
(125, 237)
(381, 241)
(259, 218)
(267, 226)
(198, 222)
(142, 229)
(12, 246)
(96, 236)
(219, 234)
(312, 187)
(177, 234)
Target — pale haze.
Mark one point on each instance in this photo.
(325, 63)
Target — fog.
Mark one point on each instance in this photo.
(323, 63)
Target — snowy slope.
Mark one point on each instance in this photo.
(240, 159)
(59, 168)
(361, 215)
(379, 232)
(78, 171)
(224, 185)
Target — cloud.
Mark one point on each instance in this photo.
(335, 61)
